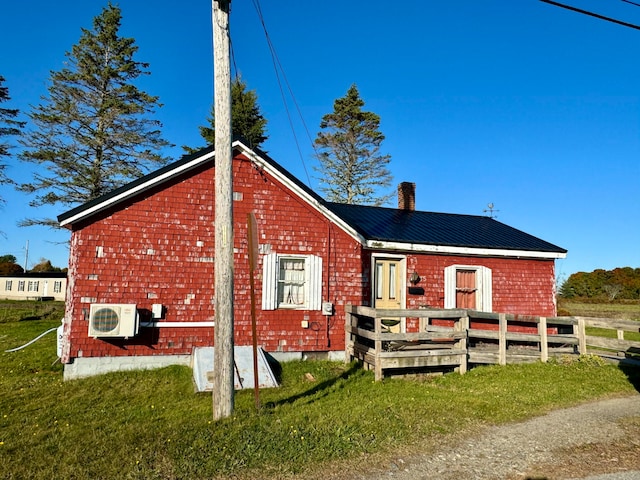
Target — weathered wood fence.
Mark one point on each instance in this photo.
(439, 340)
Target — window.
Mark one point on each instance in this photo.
(33, 286)
(291, 281)
(468, 286)
(8, 284)
(379, 282)
(21, 286)
(57, 286)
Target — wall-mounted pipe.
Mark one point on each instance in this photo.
(177, 324)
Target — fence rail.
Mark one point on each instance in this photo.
(436, 339)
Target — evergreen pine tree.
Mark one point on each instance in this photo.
(348, 149)
(93, 133)
(247, 122)
(9, 126)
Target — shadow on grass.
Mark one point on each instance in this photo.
(31, 318)
(354, 369)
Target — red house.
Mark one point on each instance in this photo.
(140, 288)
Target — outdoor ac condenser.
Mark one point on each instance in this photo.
(113, 320)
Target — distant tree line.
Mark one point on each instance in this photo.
(10, 267)
(617, 284)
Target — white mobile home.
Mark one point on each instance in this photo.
(34, 286)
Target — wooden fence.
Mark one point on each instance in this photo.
(440, 340)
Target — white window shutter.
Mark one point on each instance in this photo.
(486, 289)
(450, 287)
(269, 281)
(314, 281)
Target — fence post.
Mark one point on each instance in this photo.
(582, 336)
(347, 333)
(544, 346)
(463, 326)
(502, 339)
(423, 323)
(377, 322)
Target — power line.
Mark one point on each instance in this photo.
(596, 15)
(277, 66)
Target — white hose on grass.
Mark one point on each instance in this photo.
(32, 341)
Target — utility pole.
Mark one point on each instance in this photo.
(26, 256)
(223, 361)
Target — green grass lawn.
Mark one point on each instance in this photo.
(151, 425)
(18, 310)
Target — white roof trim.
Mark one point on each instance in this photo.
(286, 181)
(445, 249)
(187, 166)
(138, 188)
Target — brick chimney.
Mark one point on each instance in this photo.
(407, 196)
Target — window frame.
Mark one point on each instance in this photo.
(8, 285)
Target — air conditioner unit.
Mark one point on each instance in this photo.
(113, 320)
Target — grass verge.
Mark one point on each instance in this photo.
(151, 425)
(22, 310)
(629, 310)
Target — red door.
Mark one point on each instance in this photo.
(466, 289)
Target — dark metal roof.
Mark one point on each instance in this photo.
(37, 275)
(445, 229)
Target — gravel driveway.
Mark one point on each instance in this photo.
(581, 442)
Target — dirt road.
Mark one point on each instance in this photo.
(575, 443)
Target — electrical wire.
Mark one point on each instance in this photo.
(277, 66)
(591, 14)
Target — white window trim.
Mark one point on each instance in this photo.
(484, 286)
(313, 282)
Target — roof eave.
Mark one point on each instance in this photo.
(313, 200)
(110, 200)
(470, 251)
(89, 209)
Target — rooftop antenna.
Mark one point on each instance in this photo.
(490, 208)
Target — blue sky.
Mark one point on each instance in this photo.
(522, 104)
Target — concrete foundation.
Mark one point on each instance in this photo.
(89, 366)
